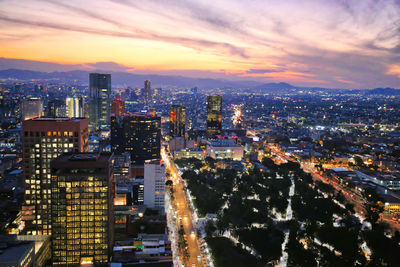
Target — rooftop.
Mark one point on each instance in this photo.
(56, 119)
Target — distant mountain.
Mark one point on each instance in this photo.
(383, 91)
(274, 86)
(136, 80)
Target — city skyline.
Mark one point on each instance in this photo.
(339, 44)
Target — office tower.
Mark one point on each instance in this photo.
(99, 100)
(158, 92)
(214, 115)
(75, 107)
(154, 184)
(44, 139)
(122, 167)
(194, 90)
(118, 107)
(147, 91)
(82, 209)
(24, 251)
(138, 191)
(31, 108)
(56, 108)
(177, 120)
(139, 134)
(117, 135)
(2, 105)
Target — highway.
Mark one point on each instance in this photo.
(184, 216)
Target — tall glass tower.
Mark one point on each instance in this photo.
(99, 100)
(214, 115)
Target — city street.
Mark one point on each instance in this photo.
(184, 216)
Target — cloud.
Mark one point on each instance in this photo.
(261, 71)
(394, 70)
(342, 42)
(193, 43)
(108, 66)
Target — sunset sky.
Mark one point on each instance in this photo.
(329, 43)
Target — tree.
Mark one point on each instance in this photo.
(169, 183)
(359, 162)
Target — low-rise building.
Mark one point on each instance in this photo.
(197, 153)
(24, 250)
(390, 181)
(225, 149)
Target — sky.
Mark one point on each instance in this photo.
(326, 43)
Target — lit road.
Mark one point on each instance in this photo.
(184, 216)
(350, 195)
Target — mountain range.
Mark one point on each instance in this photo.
(124, 79)
(121, 79)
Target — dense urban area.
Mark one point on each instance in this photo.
(97, 174)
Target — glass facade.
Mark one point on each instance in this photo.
(80, 209)
(100, 100)
(214, 115)
(138, 134)
(177, 120)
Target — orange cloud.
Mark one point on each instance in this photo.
(394, 70)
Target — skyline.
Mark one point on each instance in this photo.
(334, 44)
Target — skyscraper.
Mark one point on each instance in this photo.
(118, 107)
(44, 139)
(75, 107)
(82, 209)
(214, 115)
(56, 108)
(99, 99)
(177, 121)
(2, 105)
(154, 184)
(31, 108)
(139, 134)
(147, 91)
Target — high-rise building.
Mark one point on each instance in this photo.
(82, 213)
(154, 184)
(177, 120)
(122, 167)
(194, 90)
(214, 115)
(56, 108)
(99, 99)
(44, 139)
(31, 108)
(2, 105)
(147, 91)
(75, 107)
(118, 107)
(117, 135)
(139, 134)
